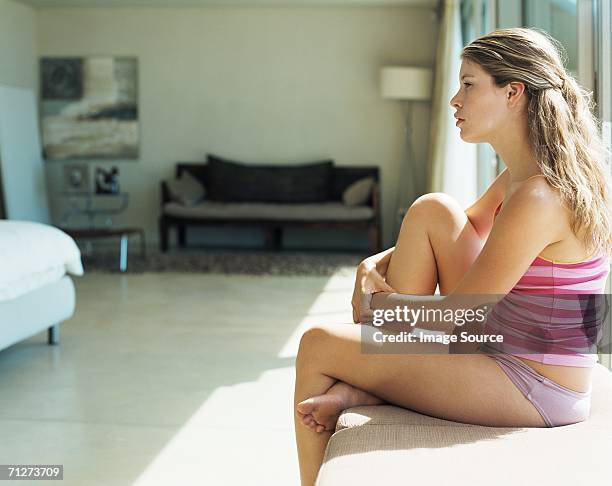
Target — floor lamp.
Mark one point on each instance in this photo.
(407, 84)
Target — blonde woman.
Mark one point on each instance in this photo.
(543, 224)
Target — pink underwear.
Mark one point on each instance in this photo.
(557, 404)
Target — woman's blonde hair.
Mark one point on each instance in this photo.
(562, 129)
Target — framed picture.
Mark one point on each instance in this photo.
(89, 108)
(76, 178)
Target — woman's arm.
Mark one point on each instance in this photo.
(380, 260)
(480, 215)
(528, 224)
(481, 212)
(369, 279)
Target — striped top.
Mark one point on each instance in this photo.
(553, 314)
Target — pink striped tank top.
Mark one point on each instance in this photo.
(551, 315)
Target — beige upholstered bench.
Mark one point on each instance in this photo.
(387, 445)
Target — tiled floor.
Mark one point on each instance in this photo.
(167, 379)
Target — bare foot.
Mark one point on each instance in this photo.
(321, 412)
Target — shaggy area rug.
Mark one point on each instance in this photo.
(229, 262)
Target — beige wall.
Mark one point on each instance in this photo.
(18, 55)
(263, 85)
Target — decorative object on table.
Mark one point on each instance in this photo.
(89, 107)
(76, 178)
(107, 182)
(409, 84)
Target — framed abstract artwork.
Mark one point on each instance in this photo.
(89, 107)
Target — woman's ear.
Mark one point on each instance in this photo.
(514, 92)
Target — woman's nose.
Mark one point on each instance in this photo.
(454, 102)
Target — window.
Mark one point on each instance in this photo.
(559, 19)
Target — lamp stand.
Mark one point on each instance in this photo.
(407, 189)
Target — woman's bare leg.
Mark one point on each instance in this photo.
(437, 243)
(434, 223)
(467, 388)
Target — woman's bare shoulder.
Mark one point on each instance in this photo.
(567, 245)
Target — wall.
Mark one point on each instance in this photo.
(18, 57)
(263, 85)
(17, 53)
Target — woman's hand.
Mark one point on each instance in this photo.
(368, 281)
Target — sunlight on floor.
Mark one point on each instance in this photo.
(243, 434)
(331, 306)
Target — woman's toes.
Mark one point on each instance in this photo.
(306, 406)
(308, 420)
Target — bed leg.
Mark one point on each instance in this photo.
(53, 334)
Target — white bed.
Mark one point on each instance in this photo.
(36, 292)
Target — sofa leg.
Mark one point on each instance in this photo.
(274, 239)
(163, 235)
(374, 239)
(182, 235)
(53, 334)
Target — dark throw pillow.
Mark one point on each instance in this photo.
(228, 180)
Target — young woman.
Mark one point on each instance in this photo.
(543, 224)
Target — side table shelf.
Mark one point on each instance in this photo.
(84, 204)
(122, 233)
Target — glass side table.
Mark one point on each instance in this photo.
(84, 204)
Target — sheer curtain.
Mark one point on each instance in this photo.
(452, 163)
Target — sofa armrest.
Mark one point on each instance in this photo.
(165, 194)
(376, 201)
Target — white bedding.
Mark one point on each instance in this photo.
(33, 255)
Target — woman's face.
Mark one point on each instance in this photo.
(481, 108)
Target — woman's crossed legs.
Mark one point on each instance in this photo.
(465, 388)
(436, 246)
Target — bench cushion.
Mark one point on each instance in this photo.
(230, 181)
(329, 211)
(394, 446)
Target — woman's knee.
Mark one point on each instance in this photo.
(436, 208)
(310, 344)
(439, 202)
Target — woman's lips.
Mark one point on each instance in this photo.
(459, 121)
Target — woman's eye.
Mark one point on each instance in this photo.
(467, 84)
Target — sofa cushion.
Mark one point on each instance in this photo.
(358, 193)
(231, 181)
(329, 211)
(394, 446)
(186, 190)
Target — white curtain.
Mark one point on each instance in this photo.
(452, 166)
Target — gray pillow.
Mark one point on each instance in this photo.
(186, 190)
(358, 193)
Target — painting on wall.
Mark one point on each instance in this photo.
(89, 107)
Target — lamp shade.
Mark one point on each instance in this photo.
(405, 83)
